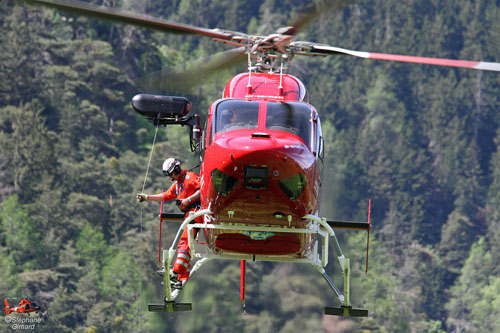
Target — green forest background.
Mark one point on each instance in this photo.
(420, 141)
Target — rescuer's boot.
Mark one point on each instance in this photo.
(160, 272)
(174, 281)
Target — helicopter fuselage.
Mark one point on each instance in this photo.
(262, 153)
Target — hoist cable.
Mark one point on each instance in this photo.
(150, 155)
(140, 233)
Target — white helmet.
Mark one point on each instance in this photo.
(170, 165)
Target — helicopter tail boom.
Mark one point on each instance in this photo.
(7, 307)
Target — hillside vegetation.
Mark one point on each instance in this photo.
(420, 141)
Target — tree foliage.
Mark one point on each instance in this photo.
(421, 141)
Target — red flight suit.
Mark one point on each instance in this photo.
(187, 185)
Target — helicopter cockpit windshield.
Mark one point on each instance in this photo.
(236, 114)
(290, 117)
(31, 306)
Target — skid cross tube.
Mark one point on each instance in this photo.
(332, 285)
(324, 224)
(166, 276)
(168, 256)
(169, 304)
(191, 217)
(344, 263)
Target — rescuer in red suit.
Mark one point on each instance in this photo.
(186, 189)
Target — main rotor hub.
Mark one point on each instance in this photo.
(269, 51)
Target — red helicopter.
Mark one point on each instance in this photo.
(25, 306)
(261, 152)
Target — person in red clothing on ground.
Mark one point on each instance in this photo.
(186, 189)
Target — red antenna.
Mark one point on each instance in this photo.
(249, 85)
(242, 285)
(280, 88)
(368, 237)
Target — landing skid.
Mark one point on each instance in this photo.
(170, 306)
(319, 226)
(170, 295)
(346, 311)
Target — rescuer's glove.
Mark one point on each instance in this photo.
(142, 197)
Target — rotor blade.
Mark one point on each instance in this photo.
(309, 12)
(189, 74)
(482, 65)
(146, 21)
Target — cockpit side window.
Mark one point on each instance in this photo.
(236, 114)
(290, 117)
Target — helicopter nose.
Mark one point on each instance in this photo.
(263, 171)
